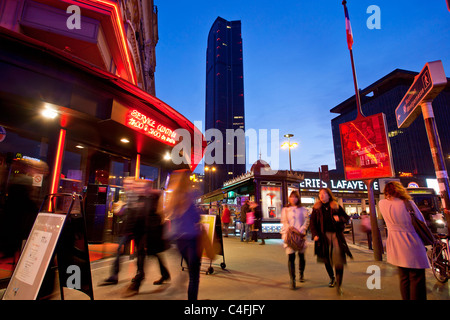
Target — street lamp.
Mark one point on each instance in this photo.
(290, 146)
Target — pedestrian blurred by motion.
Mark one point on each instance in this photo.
(185, 226)
(327, 224)
(136, 227)
(121, 210)
(156, 241)
(404, 247)
(145, 224)
(366, 227)
(243, 218)
(294, 215)
(226, 218)
(256, 228)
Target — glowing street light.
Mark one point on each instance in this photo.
(289, 145)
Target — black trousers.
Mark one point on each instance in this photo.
(412, 284)
(291, 264)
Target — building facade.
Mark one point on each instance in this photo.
(410, 148)
(118, 36)
(224, 107)
(78, 113)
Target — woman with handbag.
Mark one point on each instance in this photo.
(404, 247)
(327, 227)
(294, 215)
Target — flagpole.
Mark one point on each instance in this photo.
(377, 243)
(355, 81)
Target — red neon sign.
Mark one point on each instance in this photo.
(365, 148)
(57, 165)
(150, 127)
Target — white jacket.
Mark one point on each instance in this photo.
(404, 247)
(293, 217)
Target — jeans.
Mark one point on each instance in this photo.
(190, 253)
(245, 228)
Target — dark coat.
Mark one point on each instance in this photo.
(155, 226)
(321, 249)
(244, 209)
(144, 221)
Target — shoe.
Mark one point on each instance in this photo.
(332, 283)
(132, 290)
(161, 280)
(339, 291)
(110, 281)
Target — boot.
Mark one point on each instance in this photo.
(161, 280)
(291, 268)
(292, 284)
(332, 282)
(302, 279)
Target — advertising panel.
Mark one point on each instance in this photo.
(271, 202)
(365, 148)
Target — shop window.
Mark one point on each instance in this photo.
(73, 168)
(120, 168)
(23, 178)
(149, 173)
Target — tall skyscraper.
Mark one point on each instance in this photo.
(225, 99)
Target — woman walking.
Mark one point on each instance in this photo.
(404, 247)
(185, 226)
(327, 227)
(294, 215)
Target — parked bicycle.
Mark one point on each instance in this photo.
(439, 258)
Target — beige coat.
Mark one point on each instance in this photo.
(404, 246)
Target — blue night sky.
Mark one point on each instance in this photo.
(296, 61)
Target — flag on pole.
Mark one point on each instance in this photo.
(348, 28)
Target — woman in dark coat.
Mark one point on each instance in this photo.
(327, 227)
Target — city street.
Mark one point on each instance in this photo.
(256, 272)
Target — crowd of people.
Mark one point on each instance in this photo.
(404, 247)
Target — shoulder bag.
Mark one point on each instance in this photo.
(421, 228)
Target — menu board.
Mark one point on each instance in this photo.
(365, 148)
(35, 258)
(208, 222)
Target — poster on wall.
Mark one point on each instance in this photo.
(271, 202)
(366, 149)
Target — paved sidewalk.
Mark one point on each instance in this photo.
(256, 272)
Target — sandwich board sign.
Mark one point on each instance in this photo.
(62, 234)
(35, 258)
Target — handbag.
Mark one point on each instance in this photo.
(421, 228)
(250, 217)
(294, 239)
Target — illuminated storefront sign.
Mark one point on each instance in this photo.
(147, 125)
(337, 185)
(366, 149)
